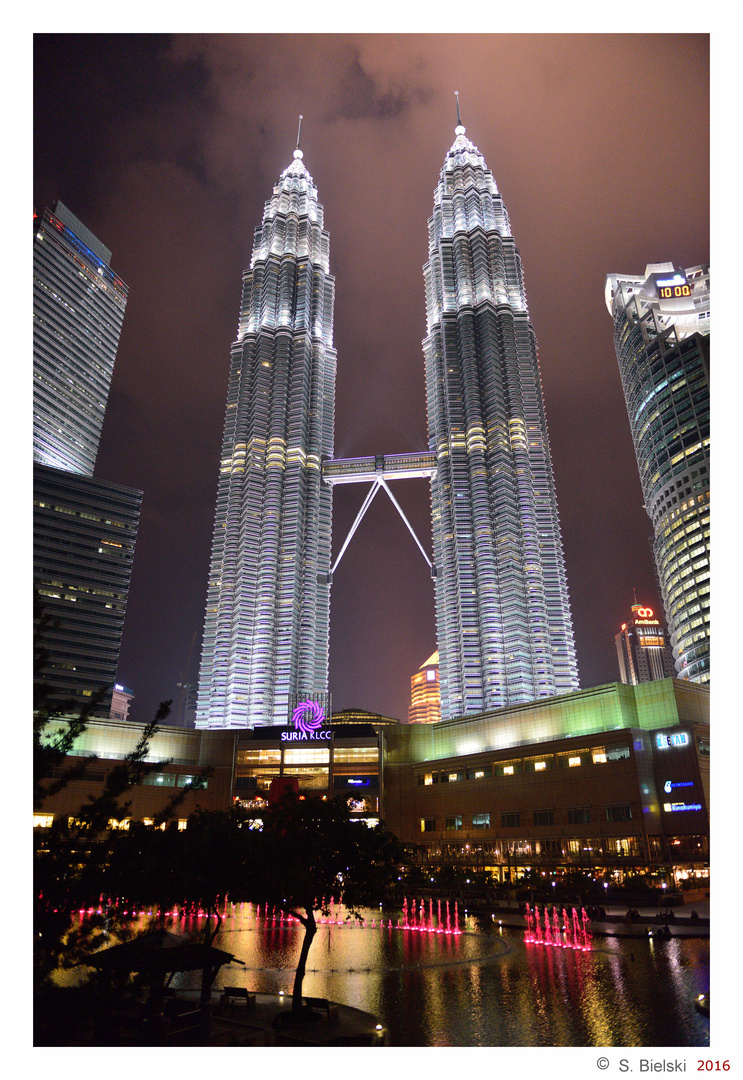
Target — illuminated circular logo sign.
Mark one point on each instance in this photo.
(308, 717)
(645, 612)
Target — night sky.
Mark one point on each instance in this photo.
(167, 147)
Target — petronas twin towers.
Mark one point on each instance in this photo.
(502, 610)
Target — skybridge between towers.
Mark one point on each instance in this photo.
(377, 469)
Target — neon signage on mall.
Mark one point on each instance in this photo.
(677, 738)
(307, 720)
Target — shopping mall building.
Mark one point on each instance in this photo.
(614, 777)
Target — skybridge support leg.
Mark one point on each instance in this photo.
(366, 504)
(397, 506)
(378, 483)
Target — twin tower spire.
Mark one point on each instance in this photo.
(502, 610)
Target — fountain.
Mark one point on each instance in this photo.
(575, 929)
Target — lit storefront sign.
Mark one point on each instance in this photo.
(673, 808)
(669, 785)
(307, 719)
(677, 738)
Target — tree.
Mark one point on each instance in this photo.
(72, 860)
(51, 747)
(312, 850)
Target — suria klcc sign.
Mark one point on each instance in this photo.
(307, 720)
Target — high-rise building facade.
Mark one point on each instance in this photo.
(503, 615)
(425, 696)
(661, 337)
(643, 648)
(84, 529)
(266, 632)
(79, 305)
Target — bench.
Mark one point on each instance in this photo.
(239, 993)
(331, 1010)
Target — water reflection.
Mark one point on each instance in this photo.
(474, 988)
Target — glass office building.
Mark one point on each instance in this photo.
(503, 616)
(84, 529)
(266, 633)
(84, 532)
(79, 305)
(661, 337)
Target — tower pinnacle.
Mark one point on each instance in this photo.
(298, 153)
(459, 129)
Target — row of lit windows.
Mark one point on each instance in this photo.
(172, 780)
(45, 821)
(598, 755)
(299, 756)
(578, 815)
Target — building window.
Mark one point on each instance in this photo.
(184, 780)
(454, 823)
(617, 753)
(547, 847)
(428, 824)
(579, 815)
(544, 817)
(481, 821)
(510, 821)
(618, 813)
(479, 773)
(258, 757)
(309, 779)
(426, 779)
(314, 756)
(43, 821)
(451, 777)
(625, 845)
(507, 768)
(598, 755)
(160, 780)
(353, 755)
(570, 760)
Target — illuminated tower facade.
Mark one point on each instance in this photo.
(266, 633)
(643, 649)
(425, 696)
(661, 337)
(503, 615)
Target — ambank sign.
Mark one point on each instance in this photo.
(307, 720)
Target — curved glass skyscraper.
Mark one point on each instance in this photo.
(79, 305)
(268, 604)
(661, 337)
(503, 615)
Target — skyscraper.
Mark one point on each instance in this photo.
(425, 697)
(85, 529)
(268, 604)
(503, 615)
(643, 649)
(661, 337)
(79, 305)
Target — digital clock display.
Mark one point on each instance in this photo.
(672, 286)
(670, 292)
